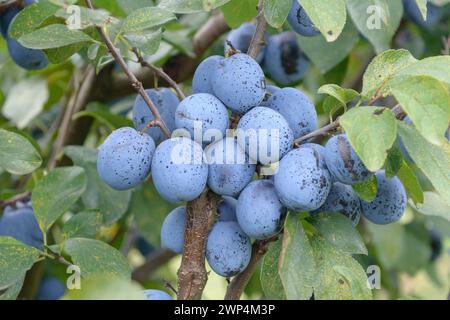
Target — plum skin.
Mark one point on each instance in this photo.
(259, 212)
(202, 80)
(301, 22)
(389, 203)
(152, 294)
(302, 182)
(228, 249)
(179, 171)
(124, 159)
(172, 231)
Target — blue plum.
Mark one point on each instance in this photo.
(301, 22)
(50, 288)
(6, 18)
(204, 111)
(166, 102)
(230, 170)
(124, 159)
(287, 64)
(178, 170)
(296, 108)
(239, 83)
(227, 209)
(172, 231)
(240, 39)
(152, 294)
(202, 81)
(412, 11)
(270, 90)
(343, 199)
(319, 149)
(343, 162)
(265, 135)
(20, 223)
(228, 249)
(302, 182)
(30, 59)
(390, 202)
(259, 212)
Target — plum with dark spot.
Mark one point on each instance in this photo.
(179, 172)
(319, 149)
(227, 209)
(152, 294)
(265, 135)
(296, 108)
(230, 170)
(343, 162)
(342, 199)
(124, 159)
(202, 82)
(30, 59)
(301, 22)
(20, 223)
(202, 111)
(302, 181)
(166, 102)
(228, 249)
(259, 212)
(172, 231)
(287, 64)
(240, 39)
(412, 12)
(390, 202)
(239, 83)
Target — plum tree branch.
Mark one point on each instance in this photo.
(152, 263)
(159, 72)
(15, 199)
(239, 282)
(200, 217)
(258, 41)
(137, 85)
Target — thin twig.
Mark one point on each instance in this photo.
(153, 262)
(446, 46)
(258, 37)
(137, 85)
(319, 132)
(130, 239)
(12, 201)
(239, 282)
(159, 72)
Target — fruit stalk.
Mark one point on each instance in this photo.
(258, 38)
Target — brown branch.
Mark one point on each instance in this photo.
(446, 46)
(12, 201)
(258, 41)
(239, 282)
(319, 132)
(137, 85)
(200, 217)
(159, 72)
(153, 262)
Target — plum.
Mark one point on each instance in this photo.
(172, 231)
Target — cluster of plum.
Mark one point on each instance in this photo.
(30, 59)
(310, 178)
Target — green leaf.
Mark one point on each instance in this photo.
(61, 54)
(25, 100)
(103, 115)
(296, 266)
(56, 193)
(342, 95)
(329, 16)
(276, 11)
(84, 224)
(422, 4)
(190, 6)
(366, 190)
(146, 18)
(434, 205)
(16, 258)
(331, 54)
(437, 67)
(432, 160)
(377, 20)
(13, 291)
(236, 12)
(412, 185)
(383, 68)
(31, 17)
(340, 232)
(17, 154)
(106, 288)
(388, 242)
(357, 286)
(427, 102)
(95, 257)
(87, 17)
(147, 42)
(53, 36)
(131, 5)
(270, 279)
(371, 132)
(394, 161)
(98, 195)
